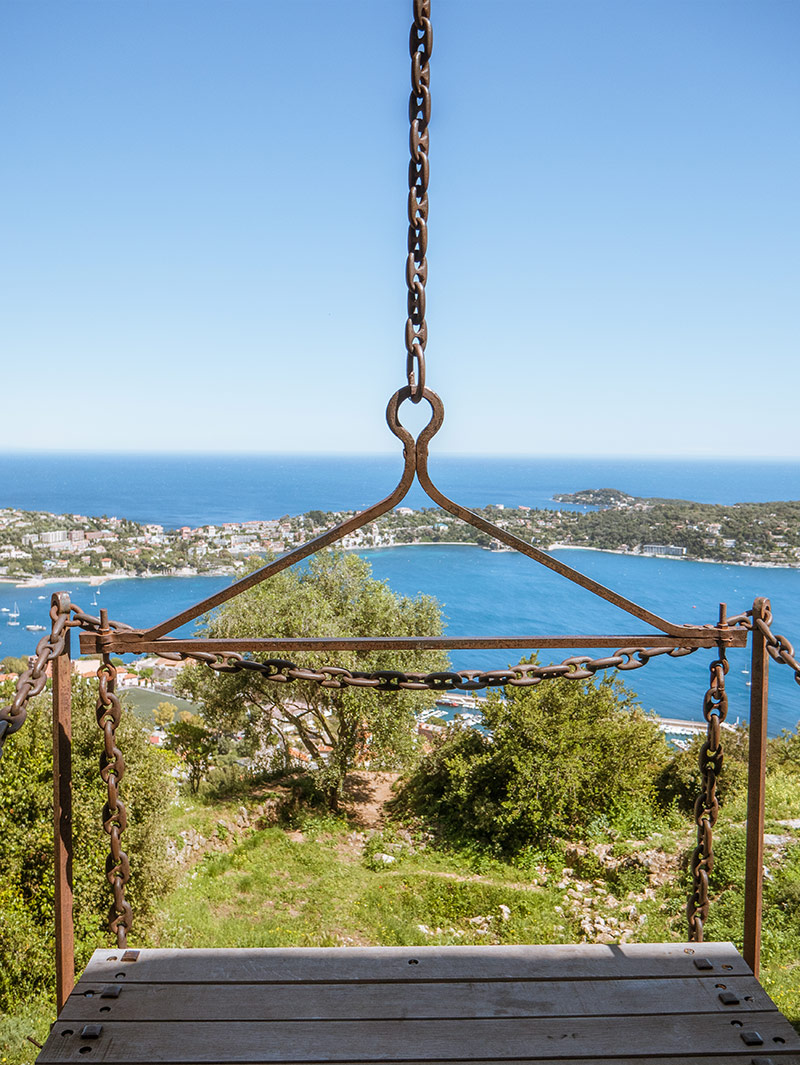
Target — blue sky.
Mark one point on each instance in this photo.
(204, 229)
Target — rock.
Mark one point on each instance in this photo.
(792, 823)
(424, 929)
(387, 859)
(505, 912)
(771, 840)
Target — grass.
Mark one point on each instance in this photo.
(314, 886)
(319, 882)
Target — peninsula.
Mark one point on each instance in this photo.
(35, 545)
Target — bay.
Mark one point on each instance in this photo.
(482, 592)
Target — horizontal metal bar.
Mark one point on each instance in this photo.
(136, 643)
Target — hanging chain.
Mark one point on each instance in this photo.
(706, 808)
(778, 647)
(115, 814)
(419, 116)
(524, 675)
(32, 682)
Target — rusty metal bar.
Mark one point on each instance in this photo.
(305, 550)
(62, 824)
(133, 643)
(756, 774)
(415, 454)
(522, 546)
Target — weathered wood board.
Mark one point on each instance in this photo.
(563, 961)
(663, 1004)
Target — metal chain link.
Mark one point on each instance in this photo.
(524, 675)
(419, 116)
(33, 681)
(706, 808)
(115, 814)
(778, 647)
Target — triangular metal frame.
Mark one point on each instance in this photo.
(415, 454)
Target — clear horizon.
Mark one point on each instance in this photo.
(207, 250)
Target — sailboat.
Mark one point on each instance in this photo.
(13, 615)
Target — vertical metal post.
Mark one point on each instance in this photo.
(62, 824)
(756, 774)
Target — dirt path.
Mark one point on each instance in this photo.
(366, 795)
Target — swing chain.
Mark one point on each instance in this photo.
(524, 675)
(779, 648)
(706, 808)
(115, 814)
(34, 679)
(419, 115)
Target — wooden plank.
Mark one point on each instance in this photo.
(588, 961)
(420, 1040)
(315, 1002)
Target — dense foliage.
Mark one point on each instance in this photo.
(26, 840)
(192, 742)
(335, 729)
(555, 757)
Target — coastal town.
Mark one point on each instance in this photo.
(36, 545)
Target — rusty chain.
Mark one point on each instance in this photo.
(706, 807)
(778, 647)
(578, 667)
(419, 116)
(32, 682)
(65, 615)
(115, 814)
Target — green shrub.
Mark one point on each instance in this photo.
(26, 841)
(554, 759)
(680, 781)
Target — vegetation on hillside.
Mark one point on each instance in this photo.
(334, 728)
(565, 818)
(26, 835)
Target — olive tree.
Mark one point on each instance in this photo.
(333, 728)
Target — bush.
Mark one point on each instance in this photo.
(26, 841)
(680, 780)
(554, 759)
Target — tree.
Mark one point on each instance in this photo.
(553, 758)
(164, 714)
(192, 741)
(13, 665)
(335, 595)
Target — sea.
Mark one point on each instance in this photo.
(481, 592)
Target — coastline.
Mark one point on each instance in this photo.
(96, 580)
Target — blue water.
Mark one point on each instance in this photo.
(482, 592)
(197, 490)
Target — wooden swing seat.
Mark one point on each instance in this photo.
(662, 1004)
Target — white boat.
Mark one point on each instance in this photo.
(13, 615)
(5, 610)
(35, 628)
